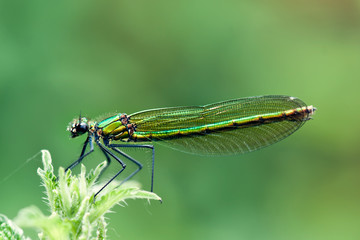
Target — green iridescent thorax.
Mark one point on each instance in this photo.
(106, 122)
(112, 127)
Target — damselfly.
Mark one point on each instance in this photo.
(229, 127)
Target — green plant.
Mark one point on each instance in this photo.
(74, 213)
(8, 230)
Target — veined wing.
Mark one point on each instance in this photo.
(234, 126)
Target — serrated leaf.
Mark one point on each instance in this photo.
(74, 213)
(9, 230)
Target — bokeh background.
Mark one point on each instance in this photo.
(60, 58)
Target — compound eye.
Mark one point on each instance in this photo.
(82, 128)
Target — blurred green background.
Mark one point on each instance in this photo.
(57, 58)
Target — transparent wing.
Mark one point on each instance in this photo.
(240, 140)
(225, 141)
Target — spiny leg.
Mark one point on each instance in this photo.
(115, 146)
(107, 152)
(83, 154)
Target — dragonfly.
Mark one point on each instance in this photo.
(230, 127)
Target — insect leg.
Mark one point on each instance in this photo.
(109, 154)
(83, 154)
(115, 146)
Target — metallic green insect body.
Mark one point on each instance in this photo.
(229, 127)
